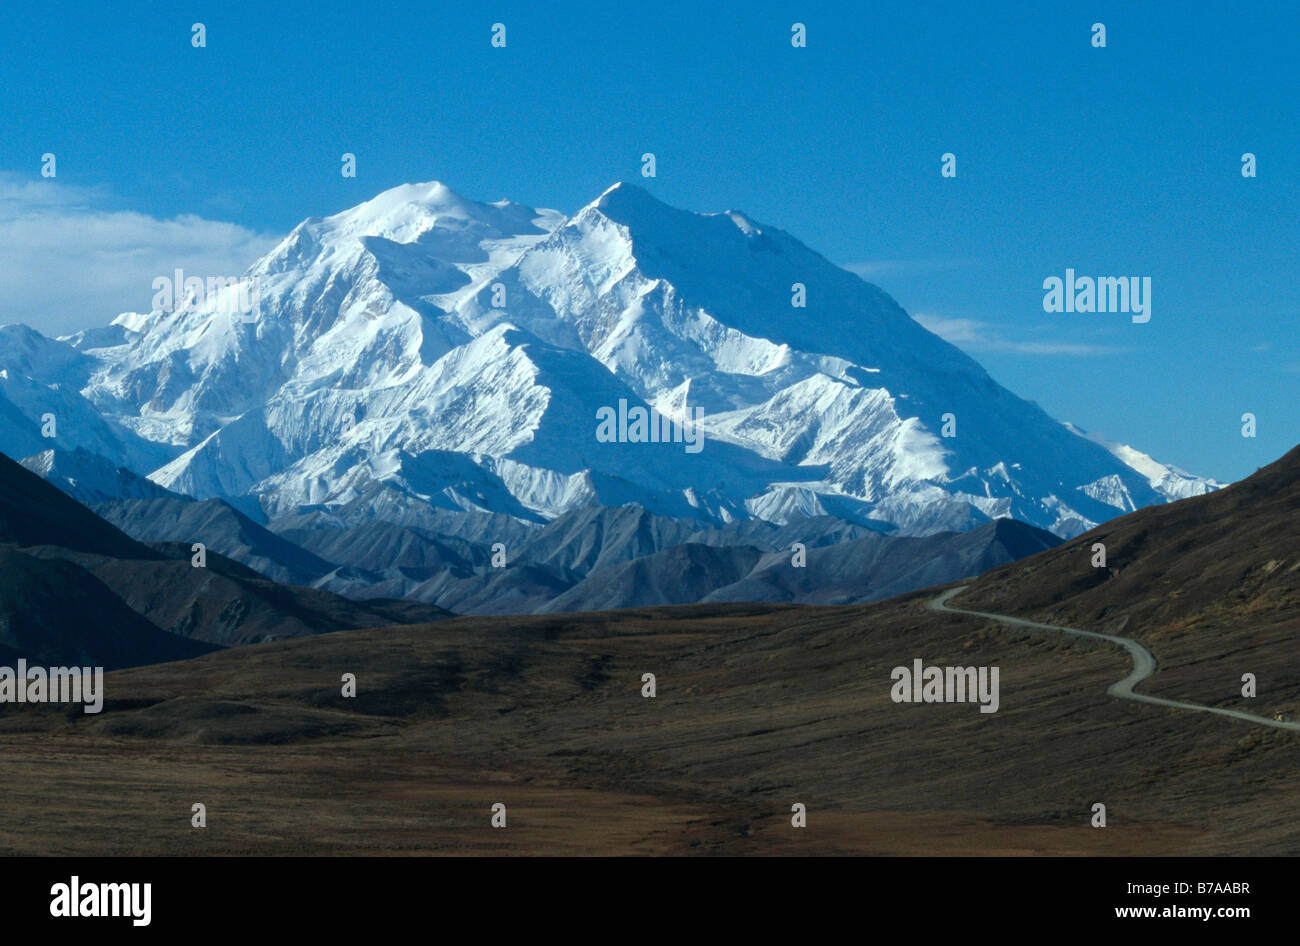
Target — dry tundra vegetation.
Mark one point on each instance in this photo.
(758, 707)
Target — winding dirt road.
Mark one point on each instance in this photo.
(1144, 663)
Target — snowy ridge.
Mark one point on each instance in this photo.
(384, 374)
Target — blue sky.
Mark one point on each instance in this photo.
(1117, 161)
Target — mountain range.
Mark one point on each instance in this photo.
(595, 558)
(126, 584)
(436, 363)
(76, 590)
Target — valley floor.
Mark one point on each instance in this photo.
(757, 708)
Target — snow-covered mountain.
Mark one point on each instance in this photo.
(423, 350)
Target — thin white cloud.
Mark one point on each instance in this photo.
(70, 260)
(980, 336)
(875, 269)
(957, 331)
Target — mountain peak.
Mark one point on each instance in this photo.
(630, 204)
(433, 195)
(622, 202)
(403, 213)
(652, 222)
(408, 213)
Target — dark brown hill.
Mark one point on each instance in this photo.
(74, 589)
(1230, 552)
(32, 512)
(55, 613)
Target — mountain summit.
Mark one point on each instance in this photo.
(423, 349)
